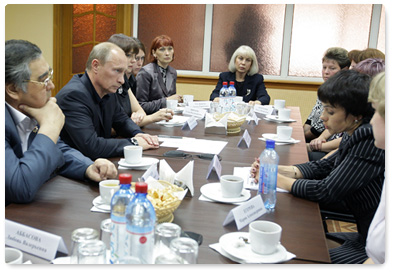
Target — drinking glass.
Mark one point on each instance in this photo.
(169, 258)
(78, 237)
(164, 234)
(105, 232)
(92, 252)
(186, 248)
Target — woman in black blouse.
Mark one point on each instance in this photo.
(243, 71)
(353, 175)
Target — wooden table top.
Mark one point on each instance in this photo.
(63, 204)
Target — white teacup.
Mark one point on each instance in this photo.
(187, 99)
(264, 236)
(284, 132)
(107, 189)
(284, 114)
(133, 154)
(231, 186)
(279, 104)
(171, 104)
(13, 256)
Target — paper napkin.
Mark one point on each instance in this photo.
(183, 178)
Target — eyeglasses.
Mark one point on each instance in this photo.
(45, 82)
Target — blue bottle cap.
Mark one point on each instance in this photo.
(270, 143)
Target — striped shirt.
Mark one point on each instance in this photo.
(354, 174)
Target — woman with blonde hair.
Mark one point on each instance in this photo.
(375, 243)
(243, 71)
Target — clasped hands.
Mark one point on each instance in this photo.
(286, 176)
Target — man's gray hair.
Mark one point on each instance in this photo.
(18, 55)
(101, 52)
(248, 52)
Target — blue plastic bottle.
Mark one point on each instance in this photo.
(119, 202)
(141, 219)
(223, 92)
(268, 175)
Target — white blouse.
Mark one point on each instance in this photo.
(375, 243)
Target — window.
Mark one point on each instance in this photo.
(92, 24)
(289, 40)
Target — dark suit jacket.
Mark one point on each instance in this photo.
(26, 172)
(151, 91)
(89, 120)
(253, 87)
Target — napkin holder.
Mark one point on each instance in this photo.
(183, 179)
(211, 126)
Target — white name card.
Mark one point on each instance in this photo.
(246, 212)
(263, 109)
(216, 165)
(189, 124)
(245, 140)
(33, 241)
(198, 113)
(201, 104)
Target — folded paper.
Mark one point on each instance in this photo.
(183, 179)
(211, 126)
(33, 241)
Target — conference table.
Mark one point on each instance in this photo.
(63, 205)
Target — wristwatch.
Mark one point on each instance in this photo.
(134, 141)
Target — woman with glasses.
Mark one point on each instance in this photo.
(243, 71)
(156, 81)
(131, 47)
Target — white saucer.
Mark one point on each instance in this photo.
(145, 163)
(98, 203)
(213, 191)
(274, 137)
(229, 243)
(179, 110)
(277, 119)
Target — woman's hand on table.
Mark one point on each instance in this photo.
(175, 97)
(137, 117)
(101, 169)
(163, 114)
(254, 172)
(316, 144)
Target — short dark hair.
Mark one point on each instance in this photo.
(125, 42)
(339, 55)
(18, 56)
(348, 89)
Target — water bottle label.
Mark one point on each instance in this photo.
(117, 243)
(141, 245)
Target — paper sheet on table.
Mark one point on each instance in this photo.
(183, 177)
(249, 183)
(203, 146)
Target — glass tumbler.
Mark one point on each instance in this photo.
(164, 234)
(79, 236)
(92, 252)
(186, 248)
(105, 232)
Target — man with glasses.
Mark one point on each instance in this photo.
(33, 150)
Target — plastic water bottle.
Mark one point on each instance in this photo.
(232, 89)
(119, 202)
(223, 92)
(140, 227)
(268, 175)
